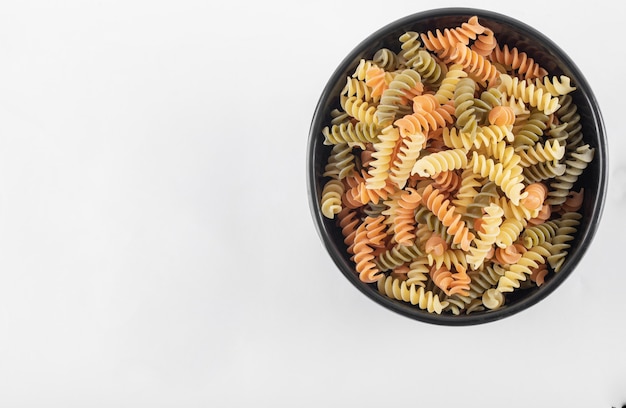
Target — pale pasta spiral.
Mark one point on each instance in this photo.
(397, 289)
(529, 93)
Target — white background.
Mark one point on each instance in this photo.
(156, 243)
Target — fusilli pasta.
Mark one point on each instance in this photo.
(453, 169)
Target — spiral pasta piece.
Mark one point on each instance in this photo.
(358, 194)
(466, 120)
(519, 107)
(493, 299)
(435, 244)
(422, 234)
(358, 89)
(531, 130)
(378, 80)
(485, 43)
(544, 214)
(361, 69)
(529, 93)
(469, 188)
(436, 203)
(487, 195)
(359, 109)
(480, 281)
(489, 99)
(501, 116)
(509, 255)
(447, 181)
(374, 210)
(364, 257)
(431, 70)
(340, 162)
(536, 195)
(538, 274)
(450, 258)
(550, 151)
(460, 283)
(425, 217)
(404, 227)
(418, 272)
(437, 116)
(366, 156)
(574, 201)
(442, 278)
(391, 211)
(469, 30)
(436, 163)
(474, 63)
(409, 152)
(331, 198)
(509, 179)
(349, 132)
(410, 47)
(399, 290)
(376, 230)
(569, 116)
(560, 243)
(443, 42)
(538, 234)
(575, 164)
(518, 272)
(556, 86)
(351, 195)
(339, 116)
(490, 228)
(456, 139)
(510, 231)
(348, 222)
(398, 255)
(543, 171)
(518, 62)
(403, 87)
(501, 152)
(492, 134)
(424, 121)
(445, 92)
(379, 170)
(386, 59)
(516, 211)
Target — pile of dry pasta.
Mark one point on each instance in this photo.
(453, 170)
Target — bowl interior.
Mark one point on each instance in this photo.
(507, 31)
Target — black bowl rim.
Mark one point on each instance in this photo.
(585, 237)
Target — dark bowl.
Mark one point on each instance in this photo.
(548, 55)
